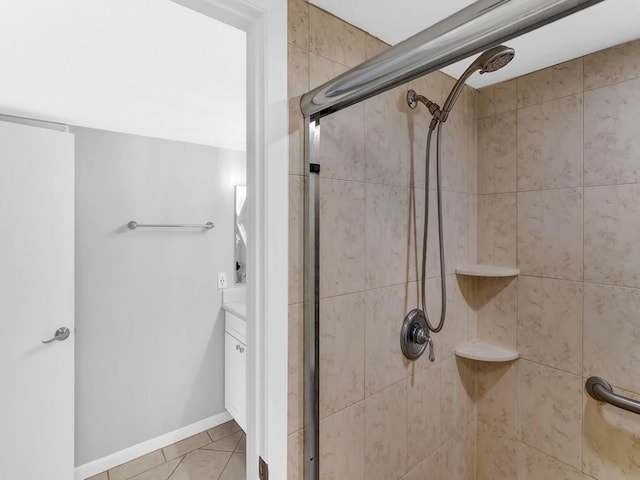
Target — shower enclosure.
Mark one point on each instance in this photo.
(374, 207)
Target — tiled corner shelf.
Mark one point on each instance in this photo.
(486, 352)
(487, 271)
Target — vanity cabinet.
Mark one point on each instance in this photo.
(235, 378)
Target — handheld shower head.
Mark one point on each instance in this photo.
(493, 59)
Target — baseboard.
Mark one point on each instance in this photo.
(123, 456)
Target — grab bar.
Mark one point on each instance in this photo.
(133, 225)
(600, 389)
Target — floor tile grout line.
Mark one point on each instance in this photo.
(137, 458)
(225, 466)
(184, 455)
(177, 466)
(238, 444)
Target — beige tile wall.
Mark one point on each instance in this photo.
(381, 416)
(559, 194)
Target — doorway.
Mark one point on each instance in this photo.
(130, 335)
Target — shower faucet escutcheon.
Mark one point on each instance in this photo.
(414, 336)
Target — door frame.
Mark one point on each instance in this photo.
(265, 23)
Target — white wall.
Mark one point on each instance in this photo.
(149, 345)
(147, 67)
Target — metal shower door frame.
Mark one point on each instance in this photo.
(311, 299)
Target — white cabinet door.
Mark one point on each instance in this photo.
(235, 393)
(36, 298)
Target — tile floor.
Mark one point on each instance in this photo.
(216, 454)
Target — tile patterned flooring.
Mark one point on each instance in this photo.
(216, 454)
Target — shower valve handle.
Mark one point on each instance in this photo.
(421, 336)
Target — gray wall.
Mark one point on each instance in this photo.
(149, 346)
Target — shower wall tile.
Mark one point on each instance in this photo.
(342, 144)
(496, 305)
(611, 440)
(387, 235)
(458, 455)
(550, 322)
(458, 154)
(550, 144)
(611, 335)
(342, 323)
(342, 440)
(457, 388)
(534, 465)
(387, 138)
(416, 220)
(456, 331)
(611, 235)
(298, 71)
(611, 140)
(295, 377)
(342, 234)
(612, 65)
(473, 228)
(499, 98)
(423, 420)
(467, 101)
(432, 87)
(435, 86)
(458, 219)
(550, 230)
(323, 69)
(417, 126)
(332, 38)
(384, 311)
(551, 83)
(373, 46)
(497, 153)
(295, 458)
(495, 394)
(497, 216)
(386, 433)
(550, 411)
(429, 468)
(496, 454)
(416, 227)
(298, 23)
(296, 238)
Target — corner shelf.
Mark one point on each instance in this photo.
(487, 271)
(486, 352)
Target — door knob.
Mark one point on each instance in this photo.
(61, 334)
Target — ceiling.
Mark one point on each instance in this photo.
(145, 67)
(606, 24)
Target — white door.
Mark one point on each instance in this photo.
(36, 298)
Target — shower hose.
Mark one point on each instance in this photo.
(422, 300)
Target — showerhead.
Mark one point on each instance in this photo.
(493, 59)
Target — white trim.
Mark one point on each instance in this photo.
(123, 456)
(265, 22)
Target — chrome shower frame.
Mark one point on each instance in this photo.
(480, 26)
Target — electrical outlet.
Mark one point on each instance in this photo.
(222, 281)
